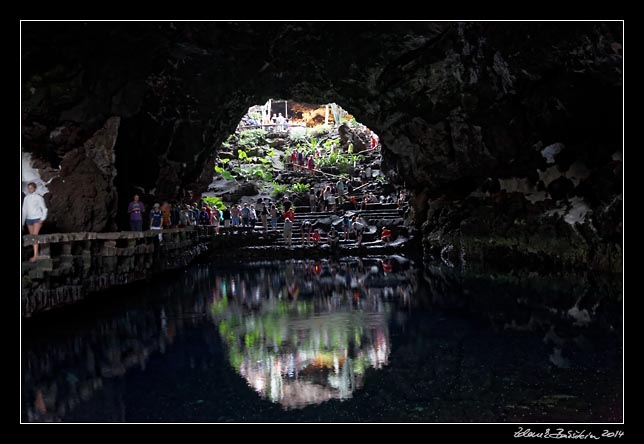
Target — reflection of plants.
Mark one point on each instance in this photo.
(218, 306)
(275, 336)
(280, 321)
(274, 342)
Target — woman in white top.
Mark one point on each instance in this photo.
(34, 213)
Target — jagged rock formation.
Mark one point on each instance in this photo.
(459, 108)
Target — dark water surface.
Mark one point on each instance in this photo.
(355, 340)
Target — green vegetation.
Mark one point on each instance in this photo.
(297, 135)
(214, 201)
(252, 138)
(223, 173)
(250, 157)
(300, 188)
(262, 334)
(278, 189)
(319, 130)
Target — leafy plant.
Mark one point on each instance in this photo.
(225, 174)
(241, 154)
(300, 188)
(297, 134)
(319, 130)
(278, 189)
(214, 201)
(252, 137)
(258, 172)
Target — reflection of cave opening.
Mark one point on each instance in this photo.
(315, 344)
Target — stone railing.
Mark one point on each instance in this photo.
(74, 264)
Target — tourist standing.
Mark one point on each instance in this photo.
(226, 216)
(288, 232)
(264, 216)
(312, 200)
(156, 219)
(340, 187)
(253, 217)
(165, 210)
(136, 209)
(34, 213)
(273, 217)
(311, 164)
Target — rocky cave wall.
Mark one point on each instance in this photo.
(463, 110)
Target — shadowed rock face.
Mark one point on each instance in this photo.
(455, 104)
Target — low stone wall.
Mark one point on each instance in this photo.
(74, 264)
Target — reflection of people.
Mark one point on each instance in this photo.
(316, 237)
(34, 213)
(136, 209)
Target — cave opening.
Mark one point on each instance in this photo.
(510, 150)
(286, 148)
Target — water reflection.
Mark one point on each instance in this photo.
(306, 332)
(254, 342)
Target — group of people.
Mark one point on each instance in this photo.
(329, 196)
(238, 215)
(166, 215)
(173, 215)
(302, 163)
(355, 225)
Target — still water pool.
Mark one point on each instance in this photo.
(374, 339)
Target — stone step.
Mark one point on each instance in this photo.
(372, 246)
(300, 211)
(371, 206)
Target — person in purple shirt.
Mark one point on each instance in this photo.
(136, 209)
